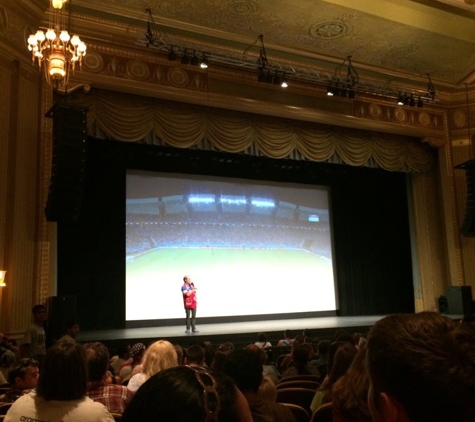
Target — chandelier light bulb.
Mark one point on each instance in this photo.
(82, 48)
(75, 40)
(40, 35)
(32, 41)
(58, 4)
(64, 36)
(50, 34)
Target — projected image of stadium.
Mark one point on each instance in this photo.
(250, 247)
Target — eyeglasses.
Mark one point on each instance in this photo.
(211, 400)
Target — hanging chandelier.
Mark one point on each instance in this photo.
(56, 50)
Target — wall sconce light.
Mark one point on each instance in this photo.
(2, 278)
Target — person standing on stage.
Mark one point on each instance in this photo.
(189, 300)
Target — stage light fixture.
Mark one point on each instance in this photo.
(412, 101)
(283, 82)
(172, 55)
(400, 99)
(185, 59)
(204, 62)
(420, 103)
(194, 60)
(330, 90)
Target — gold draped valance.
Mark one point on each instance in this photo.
(132, 118)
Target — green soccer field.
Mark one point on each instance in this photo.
(229, 282)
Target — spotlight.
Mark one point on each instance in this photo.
(204, 62)
(172, 55)
(351, 94)
(412, 101)
(330, 91)
(420, 103)
(283, 82)
(400, 99)
(276, 79)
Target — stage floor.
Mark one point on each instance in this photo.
(245, 332)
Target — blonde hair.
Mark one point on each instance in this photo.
(159, 356)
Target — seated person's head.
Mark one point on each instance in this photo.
(137, 351)
(245, 368)
(159, 356)
(261, 338)
(97, 360)
(195, 355)
(39, 313)
(123, 351)
(422, 368)
(189, 394)
(64, 372)
(259, 352)
(23, 375)
(301, 354)
(72, 329)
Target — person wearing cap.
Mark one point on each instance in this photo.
(136, 353)
(189, 300)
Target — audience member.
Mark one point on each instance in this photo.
(136, 353)
(195, 356)
(321, 360)
(421, 368)
(71, 331)
(180, 354)
(158, 356)
(34, 342)
(469, 321)
(344, 356)
(262, 342)
(188, 394)
(287, 360)
(209, 352)
(61, 391)
(269, 371)
(268, 391)
(287, 340)
(22, 377)
(116, 362)
(220, 356)
(350, 392)
(307, 337)
(300, 362)
(245, 368)
(114, 397)
(8, 351)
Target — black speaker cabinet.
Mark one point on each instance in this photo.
(468, 225)
(459, 300)
(68, 170)
(61, 311)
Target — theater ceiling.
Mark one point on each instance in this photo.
(391, 42)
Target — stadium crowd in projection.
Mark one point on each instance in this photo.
(250, 247)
